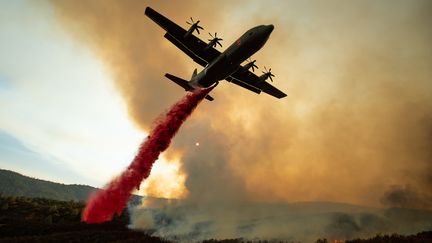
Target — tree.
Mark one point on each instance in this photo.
(5, 206)
(48, 219)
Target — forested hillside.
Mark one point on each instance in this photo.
(15, 184)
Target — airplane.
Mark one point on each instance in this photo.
(218, 66)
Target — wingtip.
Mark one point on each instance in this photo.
(146, 10)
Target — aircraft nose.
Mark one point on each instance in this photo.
(270, 27)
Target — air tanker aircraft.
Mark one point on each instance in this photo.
(219, 66)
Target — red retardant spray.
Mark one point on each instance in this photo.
(103, 204)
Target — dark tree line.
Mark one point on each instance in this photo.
(45, 220)
(423, 237)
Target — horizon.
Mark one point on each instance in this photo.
(157, 198)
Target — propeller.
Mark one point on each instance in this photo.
(215, 40)
(251, 64)
(194, 25)
(267, 74)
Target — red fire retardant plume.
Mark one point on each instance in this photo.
(113, 198)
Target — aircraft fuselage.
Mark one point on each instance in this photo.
(229, 61)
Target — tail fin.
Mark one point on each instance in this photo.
(181, 82)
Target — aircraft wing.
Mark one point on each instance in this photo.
(243, 84)
(191, 45)
(251, 80)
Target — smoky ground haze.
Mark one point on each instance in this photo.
(356, 126)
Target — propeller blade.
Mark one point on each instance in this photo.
(267, 73)
(251, 64)
(215, 40)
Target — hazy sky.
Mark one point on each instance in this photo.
(81, 83)
(61, 118)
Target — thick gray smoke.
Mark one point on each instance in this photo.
(304, 222)
(218, 207)
(406, 197)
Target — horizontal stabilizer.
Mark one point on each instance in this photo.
(181, 82)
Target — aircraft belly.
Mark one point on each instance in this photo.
(206, 82)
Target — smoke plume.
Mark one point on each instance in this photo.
(356, 126)
(113, 198)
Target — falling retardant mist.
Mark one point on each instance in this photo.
(103, 204)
